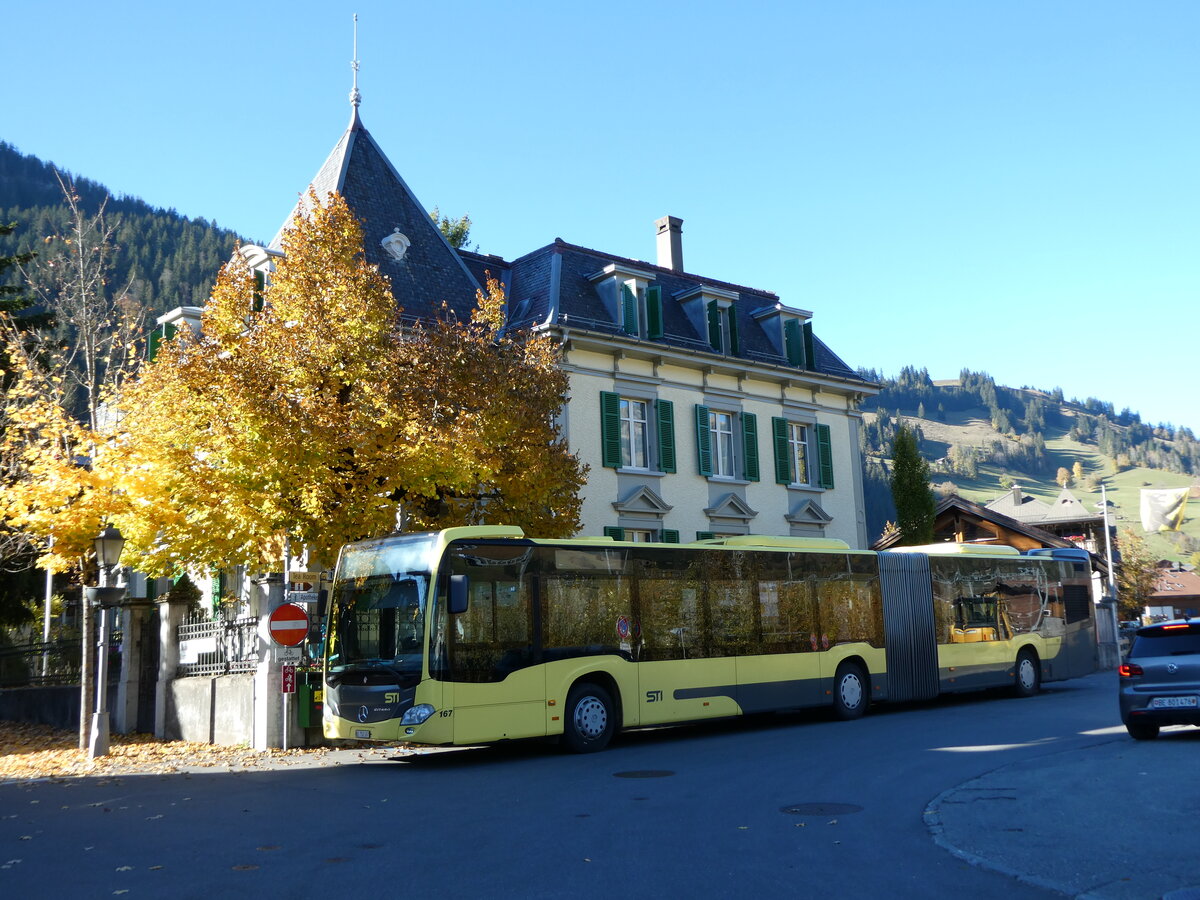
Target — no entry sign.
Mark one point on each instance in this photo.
(289, 625)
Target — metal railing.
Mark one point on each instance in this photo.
(217, 646)
(51, 663)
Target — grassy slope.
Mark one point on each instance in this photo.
(973, 428)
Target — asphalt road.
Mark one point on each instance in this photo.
(985, 796)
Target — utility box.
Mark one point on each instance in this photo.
(310, 696)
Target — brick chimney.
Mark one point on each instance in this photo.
(670, 243)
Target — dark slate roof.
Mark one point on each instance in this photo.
(539, 290)
(576, 304)
(431, 271)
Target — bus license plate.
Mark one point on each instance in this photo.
(1172, 702)
(365, 733)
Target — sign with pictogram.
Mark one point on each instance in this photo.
(289, 625)
(288, 684)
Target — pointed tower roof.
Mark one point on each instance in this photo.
(430, 270)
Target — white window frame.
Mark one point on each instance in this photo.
(721, 441)
(798, 451)
(635, 433)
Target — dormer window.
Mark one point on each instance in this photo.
(631, 299)
(790, 331)
(713, 313)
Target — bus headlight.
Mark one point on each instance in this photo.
(417, 714)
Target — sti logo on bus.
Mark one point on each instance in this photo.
(653, 696)
(391, 697)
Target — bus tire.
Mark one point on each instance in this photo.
(591, 718)
(1028, 674)
(851, 691)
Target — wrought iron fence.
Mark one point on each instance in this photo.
(217, 646)
(54, 662)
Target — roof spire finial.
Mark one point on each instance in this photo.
(355, 96)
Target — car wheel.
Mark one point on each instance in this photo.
(1142, 731)
(851, 691)
(1029, 674)
(591, 718)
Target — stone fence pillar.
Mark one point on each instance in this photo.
(171, 613)
(133, 615)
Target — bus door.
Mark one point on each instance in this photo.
(496, 688)
(784, 670)
(682, 676)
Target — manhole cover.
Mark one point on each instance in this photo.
(821, 809)
(644, 773)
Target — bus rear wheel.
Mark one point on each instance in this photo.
(851, 691)
(1029, 674)
(591, 718)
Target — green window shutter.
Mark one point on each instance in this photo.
(735, 346)
(169, 332)
(664, 411)
(629, 310)
(810, 353)
(151, 588)
(704, 535)
(703, 440)
(793, 342)
(153, 344)
(750, 446)
(260, 285)
(825, 456)
(654, 312)
(783, 456)
(669, 536)
(614, 532)
(714, 325)
(610, 429)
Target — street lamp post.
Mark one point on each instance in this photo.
(109, 544)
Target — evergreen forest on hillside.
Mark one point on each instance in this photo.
(981, 438)
(166, 259)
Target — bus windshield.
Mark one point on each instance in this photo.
(378, 611)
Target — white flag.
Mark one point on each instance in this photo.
(1162, 510)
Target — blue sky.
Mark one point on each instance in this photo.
(1009, 187)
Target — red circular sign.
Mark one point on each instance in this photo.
(289, 625)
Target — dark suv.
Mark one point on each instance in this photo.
(1160, 678)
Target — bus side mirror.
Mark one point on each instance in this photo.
(458, 594)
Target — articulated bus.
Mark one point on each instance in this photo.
(476, 635)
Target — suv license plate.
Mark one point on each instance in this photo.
(1172, 702)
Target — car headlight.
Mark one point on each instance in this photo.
(417, 714)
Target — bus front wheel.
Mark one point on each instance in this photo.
(1029, 674)
(591, 718)
(851, 691)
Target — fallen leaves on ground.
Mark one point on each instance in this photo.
(40, 751)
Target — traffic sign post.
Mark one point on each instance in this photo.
(289, 627)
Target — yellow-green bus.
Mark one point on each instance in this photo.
(475, 635)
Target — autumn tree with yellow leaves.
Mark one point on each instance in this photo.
(304, 412)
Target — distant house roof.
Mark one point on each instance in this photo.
(950, 510)
(1065, 508)
(1175, 586)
